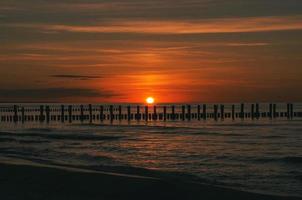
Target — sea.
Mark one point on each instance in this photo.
(262, 156)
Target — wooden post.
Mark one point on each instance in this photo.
(270, 111)
(222, 112)
(138, 117)
(70, 113)
(146, 113)
(257, 111)
(173, 112)
(253, 111)
(90, 113)
(129, 113)
(189, 112)
(23, 114)
(291, 111)
(47, 110)
(111, 113)
(154, 113)
(242, 111)
(183, 112)
(82, 113)
(215, 112)
(165, 113)
(41, 113)
(204, 111)
(288, 111)
(274, 110)
(198, 112)
(102, 113)
(15, 113)
(120, 112)
(233, 112)
(62, 114)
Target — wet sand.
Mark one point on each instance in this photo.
(19, 181)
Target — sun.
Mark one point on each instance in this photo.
(150, 100)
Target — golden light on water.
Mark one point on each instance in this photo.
(150, 100)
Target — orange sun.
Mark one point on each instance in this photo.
(150, 100)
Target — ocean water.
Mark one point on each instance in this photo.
(263, 156)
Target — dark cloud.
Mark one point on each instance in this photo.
(77, 77)
(53, 93)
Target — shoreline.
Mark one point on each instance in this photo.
(38, 181)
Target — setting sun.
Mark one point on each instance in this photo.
(150, 100)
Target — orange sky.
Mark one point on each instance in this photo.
(125, 51)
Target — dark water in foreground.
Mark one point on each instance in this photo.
(261, 156)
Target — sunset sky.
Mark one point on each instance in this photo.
(173, 50)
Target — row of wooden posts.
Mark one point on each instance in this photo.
(45, 113)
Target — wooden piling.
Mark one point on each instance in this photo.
(165, 113)
(62, 114)
(15, 113)
(189, 112)
(41, 113)
(22, 114)
(129, 113)
(253, 111)
(233, 112)
(204, 111)
(173, 112)
(138, 117)
(155, 116)
(146, 113)
(102, 113)
(111, 114)
(215, 112)
(120, 112)
(183, 112)
(47, 110)
(70, 113)
(222, 111)
(257, 111)
(291, 111)
(274, 110)
(198, 112)
(242, 111)
(82, 113)
(270, 111)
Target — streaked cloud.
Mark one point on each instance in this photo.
(76, 77)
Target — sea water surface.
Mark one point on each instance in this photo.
(261, 156)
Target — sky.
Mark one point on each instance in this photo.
(102, 51)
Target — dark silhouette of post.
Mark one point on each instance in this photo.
(90, 113)
(22, 114)
(198, 112)
(111, 113)
(146, 113)
(222, 111)
(189, 112)
(165, 113)
(47, 110)
(41, 113)
(183, 108)
(82, 113)
(270, 111)
(288, 111)
(138, 117)
(215, 112)
(15, 113)
(154, 113)
(70, 113)
(120, 112)
(242, 111)
(102, 113)
(274, 110)
(62, 114)
(291, 111)
(253, 111)
(204, 111)
(129, 113)
(257, 111)
(233, 112)
(173, 112)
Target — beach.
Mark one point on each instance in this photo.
(27, 181)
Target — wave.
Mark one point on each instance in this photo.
(286, 159)
(57, 136)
